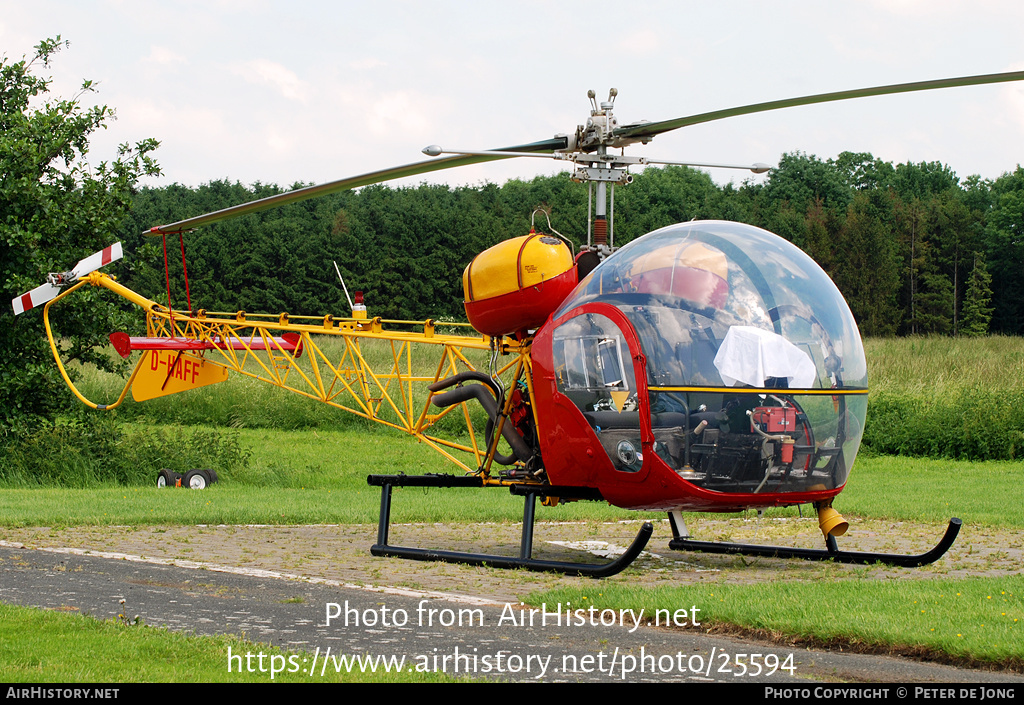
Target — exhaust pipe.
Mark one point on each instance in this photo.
(520, 449)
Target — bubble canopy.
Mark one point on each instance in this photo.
(704, 278)
(753, 379)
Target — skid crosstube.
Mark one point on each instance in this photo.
(525, 559)
(831, 553)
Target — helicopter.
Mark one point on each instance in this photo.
(707, 366)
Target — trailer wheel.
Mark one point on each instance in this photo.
(196, 480)
(167, 478)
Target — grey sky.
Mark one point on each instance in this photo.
(314, 91)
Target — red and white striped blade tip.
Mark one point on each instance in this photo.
(39, 295)
(97, 260)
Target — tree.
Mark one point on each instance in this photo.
(934, 308)
(952, 230)
(54, 209)
(862, 171)
(977, 300)
(799, 184)
(867, 269)
(910, 227)
(1005, 252)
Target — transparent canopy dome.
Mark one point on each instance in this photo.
(689, 284)
(750, 350)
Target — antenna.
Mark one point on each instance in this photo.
(343, 284)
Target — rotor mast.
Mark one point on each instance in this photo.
(589, 151)
(600, 171)
(593, 162)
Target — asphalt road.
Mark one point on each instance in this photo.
(325, 620)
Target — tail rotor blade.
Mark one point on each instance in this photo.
(96, 260)
(50, 290)
(38, 296)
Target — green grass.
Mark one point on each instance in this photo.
(935, 366)
(38, 646)
(290, 477)
(318, 476)
(308, 465)
(923, 489)
(975, 620)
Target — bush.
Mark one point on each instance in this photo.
(97, 451)
(972, 423)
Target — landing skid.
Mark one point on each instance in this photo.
(682, 542)
(525, 559)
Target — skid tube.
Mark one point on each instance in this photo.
(525, 559)
(830, 553)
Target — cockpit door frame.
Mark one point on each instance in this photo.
(617, 317)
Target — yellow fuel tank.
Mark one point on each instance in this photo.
(515, 285)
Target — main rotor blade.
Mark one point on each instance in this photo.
(373, 177)
(651, 129)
